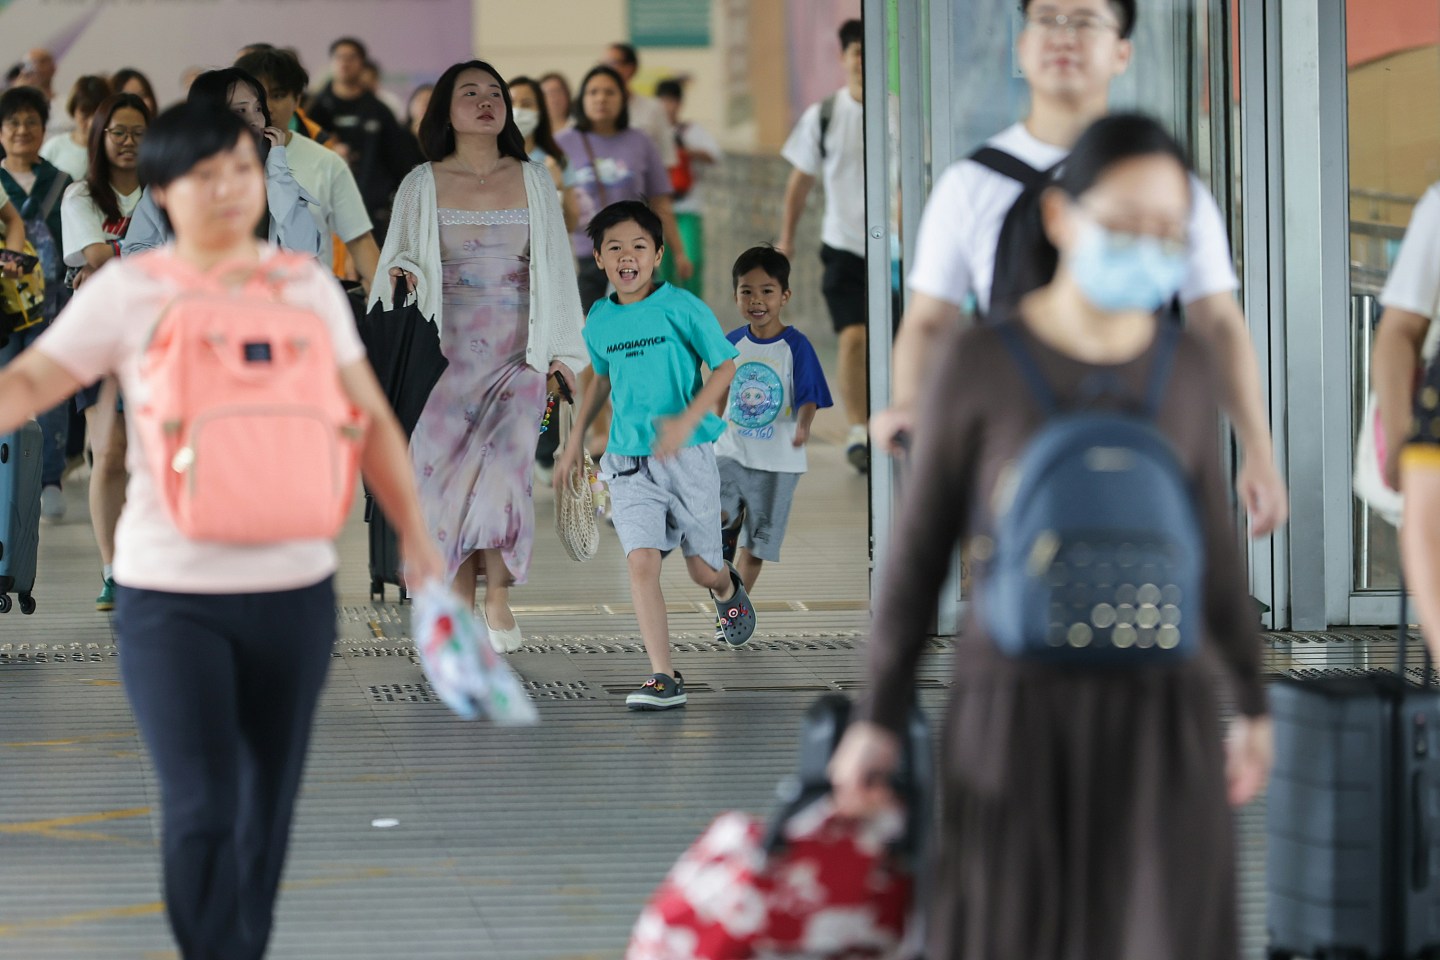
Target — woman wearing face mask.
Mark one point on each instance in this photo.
(288, 221)
(480, 235)
(534, 123)
(1085, 814)
(224, 648)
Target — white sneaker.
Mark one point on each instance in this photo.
(857, 448)
(52, 504)
(503, 641)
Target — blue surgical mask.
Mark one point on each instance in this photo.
(1120, 271)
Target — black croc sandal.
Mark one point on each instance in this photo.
(735, 618)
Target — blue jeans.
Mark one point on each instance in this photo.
(55, 424)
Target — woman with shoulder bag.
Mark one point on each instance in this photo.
(225, 555)
(1087, 799)
(479, 232)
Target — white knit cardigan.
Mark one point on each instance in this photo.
(413, 244)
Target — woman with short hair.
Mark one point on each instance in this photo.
(71, 151)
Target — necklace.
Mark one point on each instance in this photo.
(478, 176)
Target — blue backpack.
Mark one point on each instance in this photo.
(1099, 556)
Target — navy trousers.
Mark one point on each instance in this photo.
(224, 689)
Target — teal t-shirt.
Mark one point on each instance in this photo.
(652, 352)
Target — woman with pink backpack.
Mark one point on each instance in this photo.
(251, 405)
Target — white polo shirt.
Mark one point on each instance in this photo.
(328, 179)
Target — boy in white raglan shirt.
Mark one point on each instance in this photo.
(777, 388)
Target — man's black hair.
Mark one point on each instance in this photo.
(277, 68)
(1125, 9)
(19, 99)
(764, 257)
(851, 31)
(623, 212)
(628, 55)
(14, 72)
(671, 88)
(360, 48)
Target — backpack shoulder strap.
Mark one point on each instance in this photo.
(1014, 341)
(1167, 337)
(827, 114)
(52, 197)
(1009, 165)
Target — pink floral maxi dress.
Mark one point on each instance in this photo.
(474, 446)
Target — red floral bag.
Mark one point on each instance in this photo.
(834, 890)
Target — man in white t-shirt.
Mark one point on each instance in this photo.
(647, 114)
(1411, 299)
(1070, 51)
(829, 143)
(319, 170)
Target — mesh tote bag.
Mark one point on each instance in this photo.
(577, 518)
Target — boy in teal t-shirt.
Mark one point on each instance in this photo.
(647, 343)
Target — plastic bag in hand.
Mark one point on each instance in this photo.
(466, 672)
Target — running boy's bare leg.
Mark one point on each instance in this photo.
(649, 603)
(718, 582)
(749, 566)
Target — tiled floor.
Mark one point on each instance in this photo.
(511, 844)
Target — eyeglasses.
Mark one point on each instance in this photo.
(23, 123)
(1076, 24)
(121, 134)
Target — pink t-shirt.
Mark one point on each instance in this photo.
(104, 330)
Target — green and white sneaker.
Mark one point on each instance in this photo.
(106, 601)
(660, 692)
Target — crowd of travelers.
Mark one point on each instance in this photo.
(554, 237)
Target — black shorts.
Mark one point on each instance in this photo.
(845, 289)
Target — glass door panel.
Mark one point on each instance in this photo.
(1392, 51)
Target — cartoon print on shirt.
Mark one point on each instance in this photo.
(757, 396)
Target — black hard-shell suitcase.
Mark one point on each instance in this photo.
(1353, 816)
(20, 454)
(384, 552)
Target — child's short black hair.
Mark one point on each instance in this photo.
(764, 257)
(851, 31)
(625, 210)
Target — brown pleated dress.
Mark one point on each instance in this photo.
(1084, 814)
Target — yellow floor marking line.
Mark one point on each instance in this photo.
(60, 828)
(74, 741)
(150, 909)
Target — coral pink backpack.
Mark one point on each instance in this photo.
(245, 426)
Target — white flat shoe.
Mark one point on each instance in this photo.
(503, 641)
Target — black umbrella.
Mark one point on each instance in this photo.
(404, 349)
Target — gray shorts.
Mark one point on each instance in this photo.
(664, 504)
(766, 496)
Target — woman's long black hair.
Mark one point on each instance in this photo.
(437, 136)
(97, 179)
(582, 122)
(544, 135)
(1025, 259)
(212, 89)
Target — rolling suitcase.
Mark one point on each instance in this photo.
(20, 454)
(384, 552)
(1353, 816)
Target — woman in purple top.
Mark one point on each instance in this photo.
(610, 162)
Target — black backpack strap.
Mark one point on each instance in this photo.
(827, 113)
(1167, 337)
(1009, 165)
(1014, 341)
